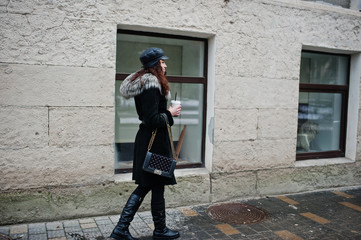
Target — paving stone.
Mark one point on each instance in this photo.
(86, 220)
(146, 217)
(91, 230)
(56, 234)
(37, 228)
(73, 229)
(245, 230)
(189, 212)
(75, 236)
(343, 221)
(101, 218)
(93, 233)
(227, 229)
(19, 236)
(88, 225)
(198, 234)
(52, 226)
(133, 232)
(71, 223)
(38, 236)
(115, 218)
(19, 229)
(103, 221)
(5, 230)
(106, 229)
(142, 229)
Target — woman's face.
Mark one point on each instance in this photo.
(163, 65)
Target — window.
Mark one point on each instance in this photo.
(187, 75)
(322, 110)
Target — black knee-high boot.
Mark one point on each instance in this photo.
(160, 229)
(121, 230)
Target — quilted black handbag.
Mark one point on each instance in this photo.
(158, 164)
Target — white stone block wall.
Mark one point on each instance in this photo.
(57, 73)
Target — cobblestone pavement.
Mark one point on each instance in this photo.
(333, 214)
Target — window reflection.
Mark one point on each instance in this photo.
(186, 61)
(319, 118)
(322, 105)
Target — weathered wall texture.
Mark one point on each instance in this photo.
(57, 68)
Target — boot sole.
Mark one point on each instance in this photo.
(166, 238)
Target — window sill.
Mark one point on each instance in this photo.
(323, 162)
(127, 177)
(190, 171)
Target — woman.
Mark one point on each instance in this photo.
(150, 90)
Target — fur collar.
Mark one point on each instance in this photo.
(130, 89)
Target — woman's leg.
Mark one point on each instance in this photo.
(158, 212)
(121, 230)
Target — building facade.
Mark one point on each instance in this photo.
(270, 92)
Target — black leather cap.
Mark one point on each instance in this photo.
(151, 56)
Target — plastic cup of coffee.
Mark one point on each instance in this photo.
(175, 103)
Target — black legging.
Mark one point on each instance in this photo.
(157, 193)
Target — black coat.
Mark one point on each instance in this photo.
(149, 105)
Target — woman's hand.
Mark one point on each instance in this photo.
(175, 111)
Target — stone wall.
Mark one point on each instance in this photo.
(57, 71)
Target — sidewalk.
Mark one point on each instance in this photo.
(332, 214)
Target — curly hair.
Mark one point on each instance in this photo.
(156, 70)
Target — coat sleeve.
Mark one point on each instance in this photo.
(150, 109)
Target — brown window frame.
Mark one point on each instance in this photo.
(323, 88)
(119, 76)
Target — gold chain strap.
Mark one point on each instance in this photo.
(152, 139)
(170, 137)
